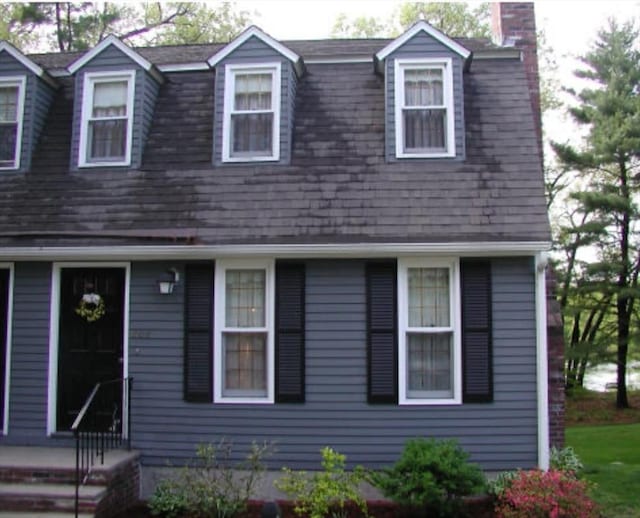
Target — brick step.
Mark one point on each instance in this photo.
(42, 514)
(48, 497)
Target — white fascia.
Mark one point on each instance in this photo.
(328, 250)
(4, 426)
(21, 83)
(90, 79)
(230, 72)
(444, 64)
(542, 361)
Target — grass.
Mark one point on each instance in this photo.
(610, 452)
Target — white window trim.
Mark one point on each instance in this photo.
(21, 83)
(90, 79)
(453, 264)
(4, 426)
(219, 325)
(230, 72)
(54, 329)
(444, 64)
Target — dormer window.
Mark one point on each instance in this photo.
(424, 111)
(11, 114)
(107, 119)
(251, 128)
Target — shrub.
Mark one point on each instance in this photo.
(566, 460)
(326, 492)
(431, 474)
(213, 486)
(502, 482)
(551, 494)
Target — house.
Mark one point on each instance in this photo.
(350, 237)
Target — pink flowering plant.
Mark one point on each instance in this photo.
(540, 494)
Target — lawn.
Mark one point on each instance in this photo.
(611, 455)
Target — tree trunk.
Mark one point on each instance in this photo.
(624, 301)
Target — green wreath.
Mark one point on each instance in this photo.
(91, 307)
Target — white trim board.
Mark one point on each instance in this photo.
(356, 250)
(4, 425)
(54, 324)
(27, 63)
(542, 358)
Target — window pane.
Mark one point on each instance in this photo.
(8, 104)
(8, 134)
(245, 298)
(423, 87)
(429, 365)
(424, 129)
(429, 297)
(110, 99)
(251, 134)
(245, 364)
(253, 92)
(107, 139)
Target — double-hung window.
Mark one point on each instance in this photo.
(429, 358)
(243, 349)
(11, 114)
(107, 119)
(424, 115)
(251, 127)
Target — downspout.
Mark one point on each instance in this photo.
(542, 361)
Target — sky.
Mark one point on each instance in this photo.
(570, 27)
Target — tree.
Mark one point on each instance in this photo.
(455, 19)
(70, 26)
(609, 110)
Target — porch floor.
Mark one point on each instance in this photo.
(63, 458)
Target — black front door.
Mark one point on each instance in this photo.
(90, 345)
(4, 312)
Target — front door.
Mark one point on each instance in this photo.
(90, 344)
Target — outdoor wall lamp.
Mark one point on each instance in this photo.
(166, 285)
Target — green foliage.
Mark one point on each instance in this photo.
(503, 480)
(545, 494)
(433, 474)
(213, 486)
(566, 460)
(326, 492)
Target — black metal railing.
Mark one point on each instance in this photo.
(103, 424)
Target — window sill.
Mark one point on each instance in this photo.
(235, 160)
(429, 402)
(243, 401)
(88, 165)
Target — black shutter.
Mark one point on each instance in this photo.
(198, 340)
(4, 313)
(382, 332)
(477, 361)
(290, 332)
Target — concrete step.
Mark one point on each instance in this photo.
(48, 497)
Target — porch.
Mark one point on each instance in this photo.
(40, 481)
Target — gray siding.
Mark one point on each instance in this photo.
(146, 93)
(424, 46)
(38, 97)
(29, 355)
(499, 435)
(255, 51)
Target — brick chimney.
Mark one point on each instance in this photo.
(513, 24)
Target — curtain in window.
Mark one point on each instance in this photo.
(424, 116)
(252, 132)
(429, 364)
(245, 353)
(108, 129)
(8, 124)
(428, 297)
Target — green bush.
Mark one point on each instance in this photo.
(431, 474)
(326, 492)
(566, 460)
(213, 486)
(545, 494)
